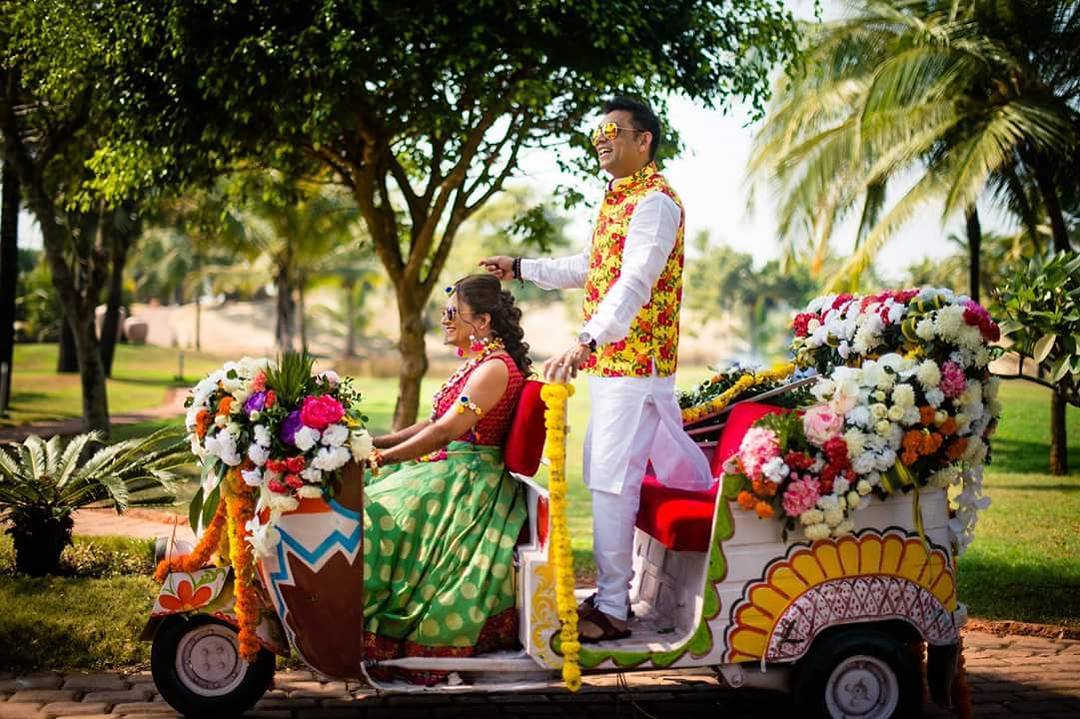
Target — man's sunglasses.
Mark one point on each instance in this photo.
(610, 131)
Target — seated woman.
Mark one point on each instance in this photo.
(441, 513)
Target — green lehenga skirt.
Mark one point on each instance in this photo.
(438, 555)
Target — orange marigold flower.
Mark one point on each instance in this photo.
(225, 406)
(764, 510)
(957, 448)
(746, 500)
(948, 427)
(926, 415)
(909, 457)
(912, 440)
(763, 488)
(930, 443)
(202, 423)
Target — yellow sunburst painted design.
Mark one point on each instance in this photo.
(872, 554)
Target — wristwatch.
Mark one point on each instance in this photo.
(587, 339)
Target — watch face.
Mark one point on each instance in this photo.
(584, 338)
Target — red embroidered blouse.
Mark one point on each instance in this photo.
(492, 428)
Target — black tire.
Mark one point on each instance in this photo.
(228, 687)
(861, 673)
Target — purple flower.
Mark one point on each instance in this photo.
(255, 403)
(290, 426)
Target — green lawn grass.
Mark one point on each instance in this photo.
(142, 377)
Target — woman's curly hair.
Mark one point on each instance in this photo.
(485, 295)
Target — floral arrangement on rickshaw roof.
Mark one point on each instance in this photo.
(735, 383)
(905, 400)
(284, 430)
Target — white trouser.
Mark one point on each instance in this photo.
(633, 419)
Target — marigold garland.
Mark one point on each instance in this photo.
(747, 381)
(200, 555)
(555, 396)
(241, 508)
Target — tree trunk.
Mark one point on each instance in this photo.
(1045, 179)
(301, 319)
(414, 362)
(974, 236)
(9, 277)
(285, 310)
(1059, 458)
(350, 319)
(67, 359)
(95, 401)
(110, 327)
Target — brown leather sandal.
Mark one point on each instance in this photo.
(589, 603)
(608, 631)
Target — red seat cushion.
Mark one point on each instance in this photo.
(682, 520)
(525, 440)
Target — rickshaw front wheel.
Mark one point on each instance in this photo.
(859, 672)
(198, 670)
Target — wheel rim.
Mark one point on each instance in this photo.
(862, 686)
(208, 660)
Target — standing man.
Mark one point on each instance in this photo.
(629, 342)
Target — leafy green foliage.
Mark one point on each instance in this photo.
(1041, 305)
(973, 98)
(58, 477)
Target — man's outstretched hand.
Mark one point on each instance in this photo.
(564, 367)
(500, 265)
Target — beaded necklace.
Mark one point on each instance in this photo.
(495, 345)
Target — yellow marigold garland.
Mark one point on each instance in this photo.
(200, 555)
(555, 396)
(722, 400)
(241, 508)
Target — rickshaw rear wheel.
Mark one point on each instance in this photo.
(859, 672)
(198, 670)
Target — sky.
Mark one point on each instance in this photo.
(710, 177)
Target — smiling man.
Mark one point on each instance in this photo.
(628, 344)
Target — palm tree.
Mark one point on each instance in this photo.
(971, 99)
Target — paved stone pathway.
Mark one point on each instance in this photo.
(1028, 676)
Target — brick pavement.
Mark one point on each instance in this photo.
(1028, 676)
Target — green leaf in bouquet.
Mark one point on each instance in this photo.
(195, 509)
(210, 506)
(291, 377)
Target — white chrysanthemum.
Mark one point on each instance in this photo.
(845, 527)
(840, 485)
(859, 416)
(309, 491)
(896, 413)
(834, 516)
(863, 487)
(883, 427)
(275, 502)
(223, 446)
(261, 433)
(817, 531)
(360, 444)
(220, 420)
(928, 374)
(330, 458)
(911, 416)
(903, 396)
(863, 463)
(335, 435)
(258, 454)
(948, 321)
(775, 470)
(812, 516)
(306, 438)
(312, 475)
(885, 460)
(844, 350)
(853, 500)
(252, 477)
(934, 397)
(827, 502)
(855, 441)
(925, 329)
(264, 540)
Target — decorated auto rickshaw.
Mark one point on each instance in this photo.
(822, 562)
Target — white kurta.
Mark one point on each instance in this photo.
(634, 419)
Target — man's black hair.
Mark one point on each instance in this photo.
(644, 118)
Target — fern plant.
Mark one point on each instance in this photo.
(43, 482)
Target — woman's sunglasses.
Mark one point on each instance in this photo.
(610, 131)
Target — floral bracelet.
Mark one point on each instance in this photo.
(374, 461)
(465, 403)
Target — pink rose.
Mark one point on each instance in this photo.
(821, 423)
(758, 446)
(318, 412)
(801, 496)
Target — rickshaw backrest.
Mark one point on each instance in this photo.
(525, 440)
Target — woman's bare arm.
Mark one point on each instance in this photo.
(395, 438)
(484, 387)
